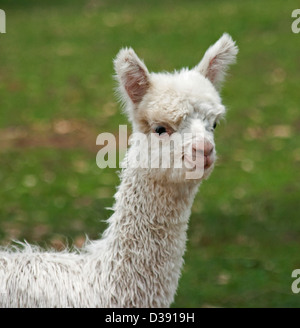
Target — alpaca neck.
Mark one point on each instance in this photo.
(146, 237)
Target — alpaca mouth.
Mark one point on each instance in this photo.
(208, 162)
(203, 163)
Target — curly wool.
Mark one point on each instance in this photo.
(136, 263)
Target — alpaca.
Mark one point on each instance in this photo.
(137, 262)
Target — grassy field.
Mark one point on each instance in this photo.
(57, 95)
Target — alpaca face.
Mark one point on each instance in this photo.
(177, 113)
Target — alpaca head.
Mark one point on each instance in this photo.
(183, 107)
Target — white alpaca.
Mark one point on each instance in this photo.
(138, 260)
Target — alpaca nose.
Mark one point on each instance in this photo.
(208, 148)
(205, 147)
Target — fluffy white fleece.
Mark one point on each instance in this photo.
(138, 260)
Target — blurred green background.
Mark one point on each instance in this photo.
(57, 95)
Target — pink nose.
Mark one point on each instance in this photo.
(205, 147)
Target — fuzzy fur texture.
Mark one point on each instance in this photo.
(138, 260)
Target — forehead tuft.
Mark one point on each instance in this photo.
(185, 83)
(172, 97)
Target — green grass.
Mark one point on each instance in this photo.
(57, 95)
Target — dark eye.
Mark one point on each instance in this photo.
(215, 125)
(160, 130)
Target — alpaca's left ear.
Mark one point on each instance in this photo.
(217, 59)
(132, 74)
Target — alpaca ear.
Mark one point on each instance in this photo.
(132, 75)
(217, 58)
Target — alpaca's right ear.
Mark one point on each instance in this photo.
(216, 60)
(132, 74)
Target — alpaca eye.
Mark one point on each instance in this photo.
(215, 125)
(160, 130)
